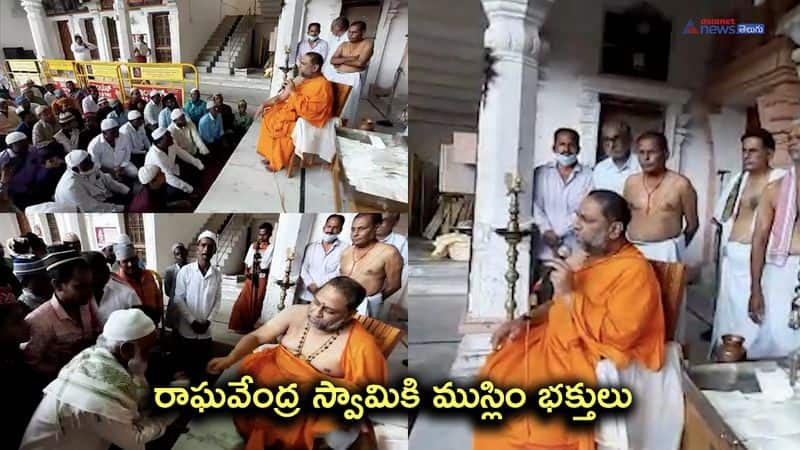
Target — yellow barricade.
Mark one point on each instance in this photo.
(166, 77)
(104, 75)
(21, 70)
(59, 71)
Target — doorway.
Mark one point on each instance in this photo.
(66, 38)
(134, 227)
(113, 39)
(640, 115)
(162, 41)
(91, 37)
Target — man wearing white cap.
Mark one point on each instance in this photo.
(195, 107)
(68, 135)
(89, 103)
(24, 168)
(85, 187)
(198, 290)
(95, 401)
(211, 125)
(72, 240)
(45, 128)
(112, 152)
(9, 121)
(104, 109)
(110, 292)
(152, 110)
(185, 134)
(137, 135)
(117, 112)
(153, 196)
(163, 154)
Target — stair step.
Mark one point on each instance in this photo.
(224, 70)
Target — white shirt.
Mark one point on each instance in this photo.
(321, 47)
(138, 138)
(266, 256)
(116, 295)
(83, 52)
(400, 243)
(197, 297)
(89, 192)
(109, 157)
(319, 267)
(89, 105)
(171, 169)
(69, 143)
(333, 44)
(142, 47)
(151, 112)
(188, 138)
(555, 201)
(607, 175)
(49, 97)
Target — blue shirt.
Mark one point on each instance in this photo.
(210, 128)
(164, 118)
(25, 172)
(195, 110)
(25, 128)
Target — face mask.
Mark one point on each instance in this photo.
(312, 38)
(566, 160)
(329, 238)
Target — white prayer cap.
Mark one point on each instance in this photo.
(124, 251)
(148, 173)
(15, 137)
(176, 113)
(133, 115)
(114, 102)
(194, 90)
(128, 325)
(177, 245)
(70, 237)
(134, 90)
(158, 133)
(154, 92)
(124, 239)
(29, 81)
(19, 110)
(207, 235)
(65, 117)
(108, 124)
(76, 157)
(210, 104)
(40, 109)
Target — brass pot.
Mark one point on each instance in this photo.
(732, 349)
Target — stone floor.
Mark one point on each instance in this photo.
(437, 303)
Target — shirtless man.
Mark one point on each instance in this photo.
(774, 262)
(735, 212)
(350, 61)
(661, 201)
(377, 266)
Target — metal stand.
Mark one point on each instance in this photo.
(286, 67)
(286, 282)
(513, 236)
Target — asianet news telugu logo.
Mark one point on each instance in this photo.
(722, 26)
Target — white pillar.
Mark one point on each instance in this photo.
(9, 227)
(293, 231)
(150, 243)
(123, 30)
(175, 38)
(44, 34)
(99, 22)
(506, 140)
(389, 11)
(289, 25)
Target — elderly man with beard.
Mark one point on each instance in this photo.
(95, 401)
(69, 134)
(112, 152)
(186, 135)
(320, 341)
(45, 128)
(198, 291)
(86, 188)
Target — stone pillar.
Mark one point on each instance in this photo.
(43, 31)
(389, 12)
(506, 137)
(293, 231)
(124, 30)
(99, 22)
(289, 25)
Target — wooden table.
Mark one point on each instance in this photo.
(704, 428)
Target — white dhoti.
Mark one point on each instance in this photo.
(356, 80)
(732, 316)
(319, 141)
(371, 305)
(668, 250)
(775, 338)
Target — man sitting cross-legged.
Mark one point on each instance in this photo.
(320, 341)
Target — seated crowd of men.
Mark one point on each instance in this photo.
(81, 341)
(71, 150)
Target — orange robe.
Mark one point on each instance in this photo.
(247, 309)
(616, 314)
(147, 289)
(312, 100)
(362, 362)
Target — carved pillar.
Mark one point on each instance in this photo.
(98, 21)
(506, 138)
(44, 34)
(124, 30)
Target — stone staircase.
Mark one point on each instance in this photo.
(208, 56)
(228, 47)
(269, 8)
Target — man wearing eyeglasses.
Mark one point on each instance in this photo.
(619, 163)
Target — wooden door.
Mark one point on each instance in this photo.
(91, 37)
(66, 39)
(162, 40)
(113, 39)
(134, 227)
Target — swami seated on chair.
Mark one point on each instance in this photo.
(309, 98)
(606, 306)
(319, 341)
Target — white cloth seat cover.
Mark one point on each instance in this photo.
(319, 141)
